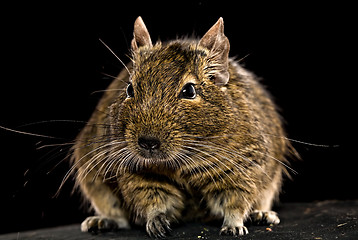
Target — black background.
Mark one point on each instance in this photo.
(52, 62)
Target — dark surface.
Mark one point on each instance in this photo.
(320, 220)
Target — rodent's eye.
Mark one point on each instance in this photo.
(212, 77)
(188, 91)
(130, 91)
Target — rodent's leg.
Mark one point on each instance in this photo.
(262, 214)
(233, 206)
(99, 224)
(264, 217)
(107, 206)
(153, 202)
(233, 224)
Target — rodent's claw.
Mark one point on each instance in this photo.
(158, 226)
(258, 217)
(101, 224)
(233, 231)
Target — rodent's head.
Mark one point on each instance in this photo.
(176, 93)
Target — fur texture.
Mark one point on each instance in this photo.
(188, 131)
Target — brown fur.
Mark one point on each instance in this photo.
(221, 154)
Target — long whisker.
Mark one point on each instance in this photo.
(113, 158)
(283, 137)
(90, 166)
(115, 56)
(77, 163)
(216, 161)
(55, 145)
(302, 142)
(107, 90)
(124, 162)
(52, 121)
(219, 148)
(222, 148)
(96, 160)
(28, 133)
(231, 161)
(203, 166)
(183, 157)
(279, 161)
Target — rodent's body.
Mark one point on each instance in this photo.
(188, 133)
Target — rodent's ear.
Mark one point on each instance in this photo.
(141, 35)
(219, 46)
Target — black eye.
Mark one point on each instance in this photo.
(188, 91)
(212, 77)
(130, 91)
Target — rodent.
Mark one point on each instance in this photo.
(183, 133)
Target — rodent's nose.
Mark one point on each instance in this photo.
(149, 143)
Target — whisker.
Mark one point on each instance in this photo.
(222, 148)
(115, 56)
(77, 163)
(279, 161)
(217, 161)
(310, 144)
(107, 90)
(52, 121)
(90, 166)
(205, 169)
(28, 133)
(182, 157)
(235, 165)
(108, 75)
(102, 161)
(231, 152)
(124, 161)
(55, 145)
(113, 158)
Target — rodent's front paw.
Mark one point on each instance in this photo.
(234, 231)
(101, 224)
(264, 217)
(158, 226)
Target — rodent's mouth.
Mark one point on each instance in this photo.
(152, 149)
(157, 155)
(152, 155)
(150, 152)
(153, 160)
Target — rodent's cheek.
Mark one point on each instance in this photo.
(119, 117)
(130, 132)
(131, 140)
(206, 119)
